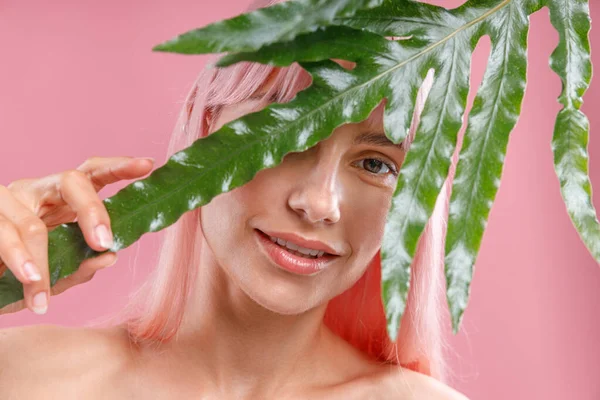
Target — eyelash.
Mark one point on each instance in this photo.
(390, 166)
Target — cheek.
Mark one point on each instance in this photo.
(226, 219)
(236, 206)
(368, 222)
(221, 211)
(364, 229)
(221, 223)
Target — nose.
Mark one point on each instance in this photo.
(316, 195)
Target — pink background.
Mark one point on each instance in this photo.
(79, 79)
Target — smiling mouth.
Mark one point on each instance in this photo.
(293, 260)
(294, 249)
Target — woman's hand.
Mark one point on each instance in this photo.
(30, 208)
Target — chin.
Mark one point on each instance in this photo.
(279, 307)
(283, 296)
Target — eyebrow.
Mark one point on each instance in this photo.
(376, 138)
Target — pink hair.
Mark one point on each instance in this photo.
(155, 311)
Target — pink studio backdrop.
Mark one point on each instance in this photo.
(79, 79)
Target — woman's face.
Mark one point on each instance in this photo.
(338, 192)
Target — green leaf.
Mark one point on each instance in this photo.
(404, 18)
(494, 114)
(571, 61)
(250, 31)
(424, 169)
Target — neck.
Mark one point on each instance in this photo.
(243, 349)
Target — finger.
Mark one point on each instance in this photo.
(92, 217)
(85, 272)
(37, 193)
(103, 171)
(34, 237)
(14, 254)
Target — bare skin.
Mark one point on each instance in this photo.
(62, 363)
(238, 340)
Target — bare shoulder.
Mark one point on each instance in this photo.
(52, 360)
(403, 383)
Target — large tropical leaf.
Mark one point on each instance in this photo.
(440, 39)
(252, 30)
(494, 114)
(571, 61)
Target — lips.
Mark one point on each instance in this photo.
(302, 242)
(290, 262)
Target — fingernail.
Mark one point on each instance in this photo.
(40, 303)
(148, 158)
(31, 272)
(104, 236)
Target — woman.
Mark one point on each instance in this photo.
(229, 314)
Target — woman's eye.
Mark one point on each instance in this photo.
(376, 166)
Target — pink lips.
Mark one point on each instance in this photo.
(309, 244)
(291, 262)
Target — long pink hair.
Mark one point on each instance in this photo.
(155, 311)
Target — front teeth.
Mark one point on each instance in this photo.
(297, 249)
